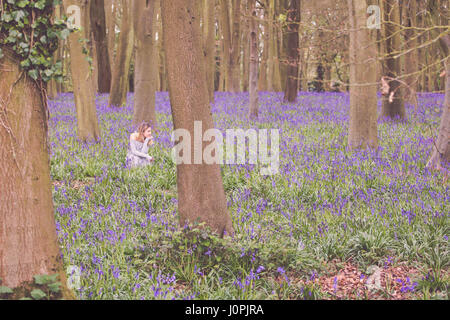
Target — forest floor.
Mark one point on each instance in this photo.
(332, 224)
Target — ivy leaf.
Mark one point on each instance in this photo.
(39, 279)
(23, 3)
(19, 14)
(40, 4)
(4, 289)
(38, 294)
(54, 287)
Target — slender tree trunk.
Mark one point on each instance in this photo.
(28, 240)
(226, 32)
(277, 49)
(253, 90)
(271, 46)
(293, 19)
(245, 52)
(411, 63)
(98, 25)
(393, 104)
(201, 194)
(363, 88)
(235, 50)
(144, 73)
(262, 79)
(83, 89)
(209, 45)
(120, 74)
(110, 18)
(441, 150)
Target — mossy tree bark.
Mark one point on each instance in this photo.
(82, 79)
(28, 241)
(201, 195)
(363, 88)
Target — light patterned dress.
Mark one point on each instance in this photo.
(137, 154)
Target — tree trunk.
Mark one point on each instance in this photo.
(209, 45)
(411, 63)
(235, 49)
(393, 105)
(28, 239)
(363, 88)
(293, 18)
(441, 150)
(120, 74)
(253, 90)
(245, 59)
(144, 72)
(83, 90)
(110, 18)
(201, 194)
(226, 32)
(98, 25)
(262, 79)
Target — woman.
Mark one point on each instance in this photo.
(140, 141)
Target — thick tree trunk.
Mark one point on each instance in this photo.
(144, 73)
(120, 74)
(363, 88)
(253, 90)
(293, 18)
(83, 90)
(98, 25)
(201, 194)
(393, 105)
(28, 241)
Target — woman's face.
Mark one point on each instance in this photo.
(148, 132)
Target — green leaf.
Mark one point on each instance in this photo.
(4, 289)
(23, 3)
(54, 287)
(38, 294)
(40, 4)
(40, 279)
(33, 74)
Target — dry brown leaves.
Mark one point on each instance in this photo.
(345, 281)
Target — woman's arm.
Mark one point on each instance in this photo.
(146, 146)
(134, 151)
